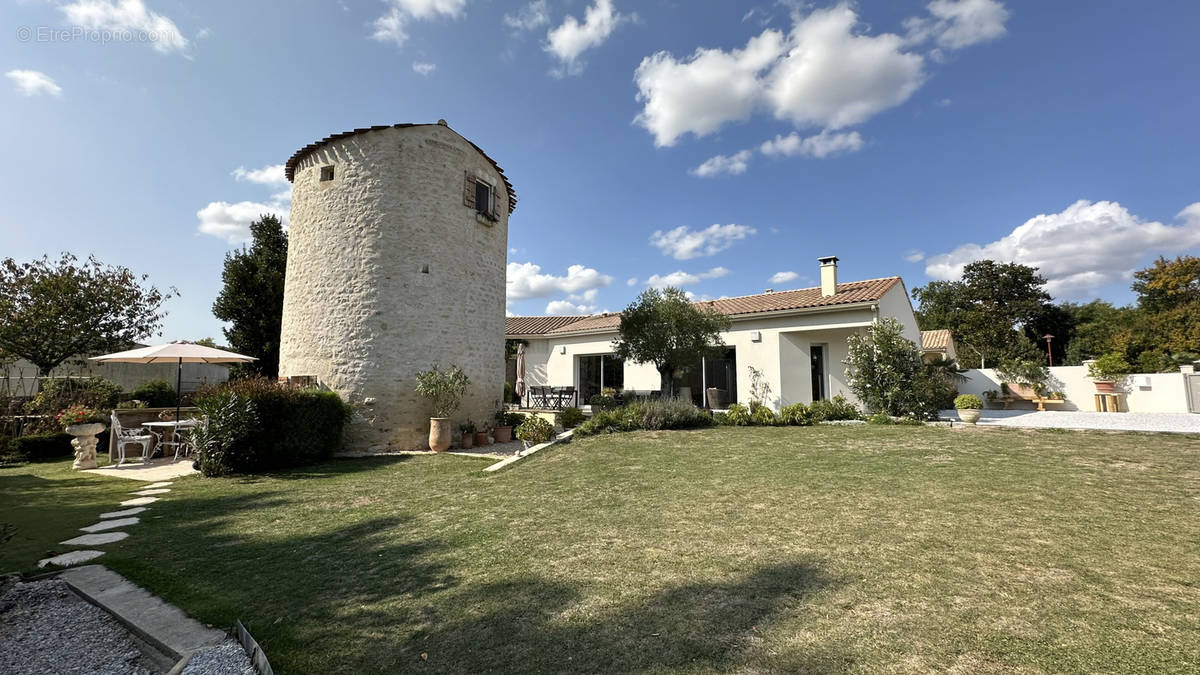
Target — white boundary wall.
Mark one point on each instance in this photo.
(1156, 393)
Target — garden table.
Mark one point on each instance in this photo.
(159, 429)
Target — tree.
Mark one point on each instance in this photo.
(883, 367)
(252, 297)
(986, 308)
(56, 309)
(666, 329)
(1168, 284)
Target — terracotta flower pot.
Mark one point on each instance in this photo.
(439, 434)
(1105, 386)
(481, 438)
(468, 441)
(969, 415)
(502, 434)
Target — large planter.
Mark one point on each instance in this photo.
(439, 434)
(1105, 386)
(502, 434)
(481, 438)
(85, 443)
(969, 415)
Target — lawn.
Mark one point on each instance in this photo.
(749, 550)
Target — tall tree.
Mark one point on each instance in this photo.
(1168, 284)
(666, 329)
(56, 309)
(252, 298)
(987, 309)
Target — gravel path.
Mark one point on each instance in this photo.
(46, 628)
(1061, 419)
(227, 658)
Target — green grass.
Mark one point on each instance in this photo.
(750, 550)
(47, 502)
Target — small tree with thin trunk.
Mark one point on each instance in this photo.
(668, 330)
(51, 310)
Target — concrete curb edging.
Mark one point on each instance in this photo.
(566, 435)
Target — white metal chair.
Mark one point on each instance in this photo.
(126, 436)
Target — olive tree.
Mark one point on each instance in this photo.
(668, 330)
(55, 309)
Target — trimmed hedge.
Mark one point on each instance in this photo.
(38, 447)
(257, 425)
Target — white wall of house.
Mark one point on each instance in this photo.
(779, 344)
(1157, 392)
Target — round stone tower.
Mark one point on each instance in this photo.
(396, 262)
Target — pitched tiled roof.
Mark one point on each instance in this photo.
(803, 298)
(536, 325)
(935, 340)
(289, 169)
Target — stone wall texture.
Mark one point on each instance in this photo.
(389, 272)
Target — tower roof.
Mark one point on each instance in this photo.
(289, 168)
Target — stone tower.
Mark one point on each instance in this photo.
(396, 261)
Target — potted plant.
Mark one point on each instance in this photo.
(1107, 370)
(505, 421)
(84, 424)
(969, 408)
(535, 431)
(467, 429)
(481, 437)
(444, 389)
(1025, 378)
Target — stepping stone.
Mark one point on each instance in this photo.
(72, 558)
(110, 524)
(139, 501)
(95, 539)
(147, 493)
(158, 485)
(121, 514)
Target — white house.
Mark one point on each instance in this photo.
(796, 338)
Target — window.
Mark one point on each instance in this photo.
(483, 197)
(817, 354)
(326, 173)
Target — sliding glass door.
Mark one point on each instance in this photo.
(599, 372)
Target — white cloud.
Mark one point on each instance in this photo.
(821, 145)
(534, 15)
(572, 38)
(271, 175)
(231, 222)
(1085, 246)
(127, 15)
(914, 256)
(684, 244)
(734, 164)
(33, 82)
(826, 73)
(783, 277)
(525, 281)
(954, 24)
(679, 278)
(631, 281)
(392, 25)
(563, 307)
(423, 68)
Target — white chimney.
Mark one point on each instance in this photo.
(828, 275)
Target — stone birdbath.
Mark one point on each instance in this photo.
(85, 443)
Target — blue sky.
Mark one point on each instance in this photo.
(723, 145)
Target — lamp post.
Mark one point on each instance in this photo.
(1049, 354)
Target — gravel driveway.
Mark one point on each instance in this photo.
(1059, 419)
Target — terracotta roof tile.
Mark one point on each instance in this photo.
(935, 340)
(803, 298)
(289, 169)
(536, 325)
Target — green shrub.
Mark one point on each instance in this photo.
(603, 402)
(57, 395)
(509, 419)
(37, 447)
(535, 430)
(1111, 366)
(721, 419)
(879, 418)
(443, 388)
(739, 415)
(796, 415)
(764, 417)
(649, 415)
(255, 424)
(571, 417)
(832, 410)
(156, 393)
(968, 401)
(1025, 372)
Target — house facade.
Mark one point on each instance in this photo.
(797, 339)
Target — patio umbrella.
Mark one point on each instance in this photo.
(178, 352)
(520, 385)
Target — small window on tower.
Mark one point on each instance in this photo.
(326, 173)
(483, 197)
